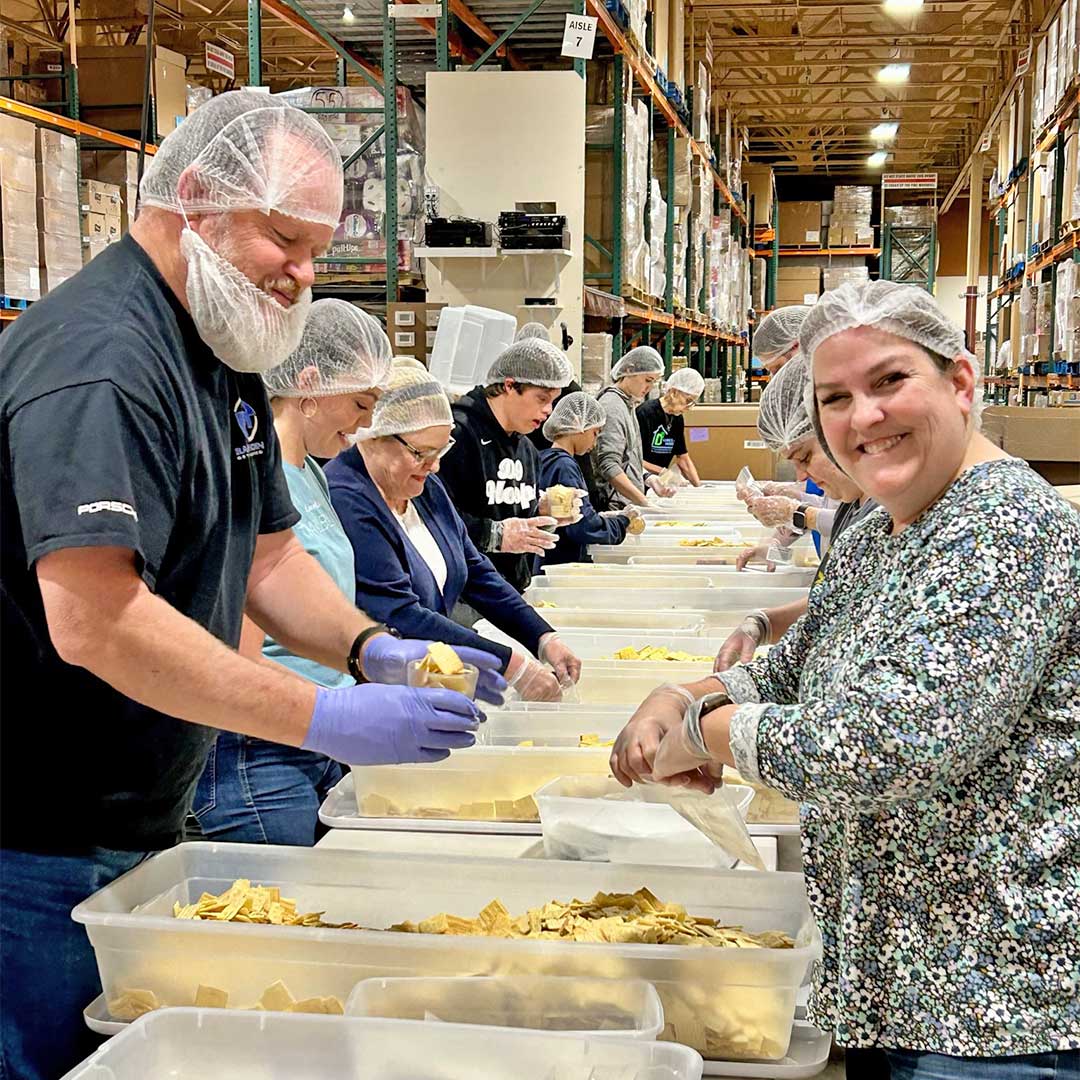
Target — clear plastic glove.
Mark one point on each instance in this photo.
(561, 522)
(658, 487)
(683, 760)
(790, 489)
(531, 680)
(374, 724)
(564, 663)
(386, 658)
(740, 645)
(773, 510)
(757, 554)
(634, 749)
(527, 536)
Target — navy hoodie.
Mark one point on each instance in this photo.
(559, 467)
(491, 476)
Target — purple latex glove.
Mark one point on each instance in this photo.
(386, 659)
(388, 725)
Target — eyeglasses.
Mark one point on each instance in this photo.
(426, 457)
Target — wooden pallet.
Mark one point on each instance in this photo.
(803, 247)
(374, 277)
(639, 296)
(1069, 228)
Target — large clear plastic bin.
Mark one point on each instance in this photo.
(629, 1009)
(730, 1003)
(598, 820)
(602, 645)
(211, 1044)
(670, 622)
(575, 575)
(483, 783)
(734, 600)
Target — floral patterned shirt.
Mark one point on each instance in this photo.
(927, 706)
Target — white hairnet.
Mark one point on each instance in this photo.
(783, 421)
(345, 346)
(247, 151)
(533, 361)
(413, 400)
(779, 331)
(644, 360)
(533, 329)
(687, 381)
(574, 414)
(905, 311)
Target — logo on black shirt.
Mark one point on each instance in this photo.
(247, 420)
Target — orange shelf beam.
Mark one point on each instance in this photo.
(72, 127)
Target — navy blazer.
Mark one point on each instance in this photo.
(395, 586)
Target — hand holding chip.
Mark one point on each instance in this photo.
(374, 724)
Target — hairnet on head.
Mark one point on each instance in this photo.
(247, 151)
(644, 360)
(686, 381)
(413, 400)
(779, 331)
(346, 348)
(783, 421)
(906, 311)
(575, 413)
(533, 329)
(533, 361)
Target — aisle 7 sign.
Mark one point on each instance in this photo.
(579, 36)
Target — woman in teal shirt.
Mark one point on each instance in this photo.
(253, 791)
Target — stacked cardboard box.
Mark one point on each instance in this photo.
(59, 239)
(120, 167)
(759, 180)
(20, 277)
(100, 206)
(800, 224)
(797, 285)
(657, 241)
(850, 221)
(411, 328)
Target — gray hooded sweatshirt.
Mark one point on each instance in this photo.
(618, 449)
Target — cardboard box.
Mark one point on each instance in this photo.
(99, 198)
(759, 180)
(94, 226)
(92, 248)
(118, 167)
(797, 285)
(800, 224)
(1049, 439)
(56, 151)
(721, 439)
(111, 86)
(19, 279)
(18, 172)
(58, 218)
(411, 328)
(18, 136)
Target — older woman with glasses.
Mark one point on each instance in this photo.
(414, 558)
(928, 705)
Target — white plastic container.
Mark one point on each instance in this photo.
(467, 342)
(602, 645)
(598, 820)
(213, 1044)
(746, 997)
(670, 622)
(481, 784)
(620, 577)
(628, 1009)
(735, 600)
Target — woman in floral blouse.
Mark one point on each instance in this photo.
(928, 706)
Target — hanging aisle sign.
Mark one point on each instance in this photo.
(579, 36)
(925, 181)
(220, 60)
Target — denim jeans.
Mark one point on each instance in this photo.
(257, 792)
(922, 1065)
(47, 966)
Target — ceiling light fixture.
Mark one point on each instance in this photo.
(884, 132)
(894, 73)
(902, 7)
(347, 16)
(876, 160)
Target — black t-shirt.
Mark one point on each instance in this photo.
(663, 437)
(119, 428)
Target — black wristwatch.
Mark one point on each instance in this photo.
(798, 519)
(355, 669)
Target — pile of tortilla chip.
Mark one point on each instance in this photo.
(659, 652)
(710, 541)
(244, 902)
(616, 918)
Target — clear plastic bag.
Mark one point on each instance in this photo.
(746, 484)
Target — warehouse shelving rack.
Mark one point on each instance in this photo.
(1039, 265)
